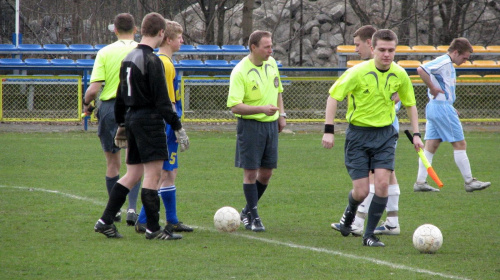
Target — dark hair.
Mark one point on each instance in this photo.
(461, 45)
(256, 36)
(365, 32)
(385, 35)
(124, 23)
(152, 23)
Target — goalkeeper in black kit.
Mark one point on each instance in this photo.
(142, 107)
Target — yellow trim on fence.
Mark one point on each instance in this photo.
(77, 115)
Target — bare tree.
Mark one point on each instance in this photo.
(247, 20)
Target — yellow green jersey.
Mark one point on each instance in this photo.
(369, 93)
(255, 86)
(107, 66)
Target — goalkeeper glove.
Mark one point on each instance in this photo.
(121, 137)
(182, 139)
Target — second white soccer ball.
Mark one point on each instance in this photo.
(427, 238)
(227, 219)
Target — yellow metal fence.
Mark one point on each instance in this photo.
(59, 98)
(478, 99)
(40, 98)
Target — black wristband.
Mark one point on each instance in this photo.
(329, 128)
(121, 124)
(86, 104)
(417, 134)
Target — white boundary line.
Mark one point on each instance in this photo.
(275, 242)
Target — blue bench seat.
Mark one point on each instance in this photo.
(37, 62)
(56, 47)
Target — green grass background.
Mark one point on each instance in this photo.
(52, 191)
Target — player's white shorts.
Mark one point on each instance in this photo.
(442, 122)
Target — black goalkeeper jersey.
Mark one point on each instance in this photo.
(143, 85)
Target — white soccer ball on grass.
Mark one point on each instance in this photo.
(227, 219)
(427, 238)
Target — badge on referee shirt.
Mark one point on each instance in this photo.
(276, 82)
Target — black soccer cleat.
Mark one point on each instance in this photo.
(131, 217)
(162, 234)
(372, 241)
(118, 217)
(246, 219)
(257, 225)
(180, 227)
(109, 230)
(140, 228)
(346, 222)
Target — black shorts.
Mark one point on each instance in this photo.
(146, 136)
(256, 144)
(369, 148)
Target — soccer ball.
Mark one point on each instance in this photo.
(427, 238)
(227, 219)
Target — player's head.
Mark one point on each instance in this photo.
(460, 50)
(124, 23)
(152, 24)
(384, 43)
(363, 41)
(173, 35)
(260, 45)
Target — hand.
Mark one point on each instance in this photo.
(270, 110)
(435, 91)
(87, 110)
(417, 143)
(182, 139)
(121, 138)
(281, 124)
(328, 140)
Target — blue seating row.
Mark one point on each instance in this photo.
(90, 62)
(86, 48)
(45, 62)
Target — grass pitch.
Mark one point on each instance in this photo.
(52, 191)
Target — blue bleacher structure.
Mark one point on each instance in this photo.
(37, 62)
(81, 48)
(7, 48)
(55, 47)
(217, 63)
(234, 62)
(208, 48)
(12, 62)
(85, 62)
(187, 49)
(234, 49)
(99, 46)
(63, 62)
(191, 63)
(30, 47)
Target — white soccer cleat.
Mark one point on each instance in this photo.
(423, 187)
(387, 230)
(476, 185)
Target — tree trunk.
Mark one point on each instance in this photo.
(247, 20)
(404, 27)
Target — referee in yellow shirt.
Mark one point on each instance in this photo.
(106, 70)
(255, 98)
(370, 137)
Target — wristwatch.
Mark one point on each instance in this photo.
(283, 115)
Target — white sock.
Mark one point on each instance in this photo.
(463, 164)
(422, 171)
(359, 222)
(392, 221)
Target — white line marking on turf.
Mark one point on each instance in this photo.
(270, 241)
